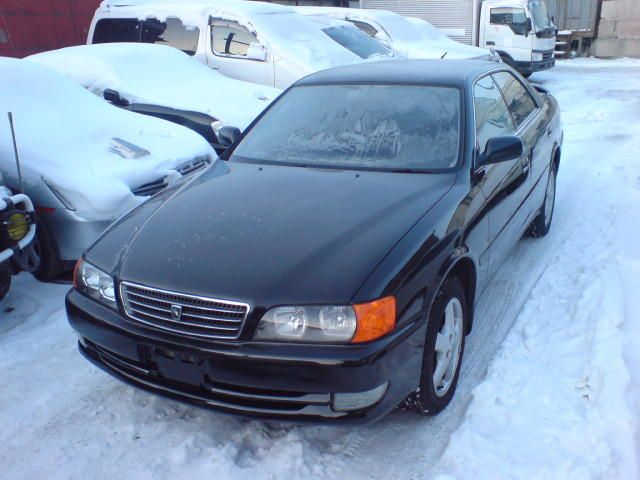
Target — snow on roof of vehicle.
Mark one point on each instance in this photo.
(159, 75)
(293, 39)
(80, 144)
(411, 37)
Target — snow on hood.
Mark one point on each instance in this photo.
(159, 75)
(67, 136)
(410, 37)
(298, 44)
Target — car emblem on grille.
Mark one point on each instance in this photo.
(176, 312)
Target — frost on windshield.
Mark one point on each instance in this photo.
(370, 126)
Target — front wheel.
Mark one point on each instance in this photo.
(443, 350)
(542, 223)
(40, 257)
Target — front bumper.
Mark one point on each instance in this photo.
(528, 68)
(276, 381)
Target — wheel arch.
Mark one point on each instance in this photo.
(464, 268)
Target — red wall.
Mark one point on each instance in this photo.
(32, 26)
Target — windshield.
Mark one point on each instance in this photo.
(541, 18)
(382, 127)
(356, 41)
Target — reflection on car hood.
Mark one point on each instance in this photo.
(272, 234)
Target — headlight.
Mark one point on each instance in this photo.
(536, 57)
(329, 324)
(94, 283)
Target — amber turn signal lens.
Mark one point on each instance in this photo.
(76, 271)
(375, 319)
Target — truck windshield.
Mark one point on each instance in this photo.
(541, 18)
(357, 42)
(375, 127)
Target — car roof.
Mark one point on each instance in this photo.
(451, 72)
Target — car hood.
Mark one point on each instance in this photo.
(94, 155)
(269, 235)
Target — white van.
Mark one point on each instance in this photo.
(257, 42)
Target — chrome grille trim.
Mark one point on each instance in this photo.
(203, 317)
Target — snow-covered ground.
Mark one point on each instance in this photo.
(550, 387)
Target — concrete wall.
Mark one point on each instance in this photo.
(619, 31)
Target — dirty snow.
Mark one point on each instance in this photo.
(65, 134)
(550, 386)
(160, 75)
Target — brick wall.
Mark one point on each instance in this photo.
(619, 31)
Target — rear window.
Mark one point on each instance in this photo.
(381, 127)
(172, 32)
(356, 41)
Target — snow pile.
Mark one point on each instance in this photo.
(160, 75)
(66, 135)
(410, 37)
(560, 399)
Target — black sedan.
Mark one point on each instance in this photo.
(327, 268)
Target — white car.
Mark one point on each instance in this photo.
(161, 81)
(84, 162)
(257, 42)
(409, 37)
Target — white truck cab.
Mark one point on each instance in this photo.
(520, 31)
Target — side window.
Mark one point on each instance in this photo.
(231, 39)
(513, 17)
(519, 100)
(365, 27)
(117, 30)
(172, 32)
(492, 115)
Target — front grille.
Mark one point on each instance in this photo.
(181, 313)
(547, 55)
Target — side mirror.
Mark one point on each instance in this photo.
(501, 149)
(112, 96)
(228, 135)
(257, 51)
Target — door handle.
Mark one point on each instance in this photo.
(549, 132)
(214, 67)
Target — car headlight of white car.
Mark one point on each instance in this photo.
(536, 56)
(94, 283)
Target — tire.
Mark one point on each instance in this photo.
(5, 278)
(41, 257)
(450, 305)
(542, 223)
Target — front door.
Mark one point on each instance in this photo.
(230, 50)
(506, 184)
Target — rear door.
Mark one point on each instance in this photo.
(531, 118)
(505, 184)
(228, 52)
